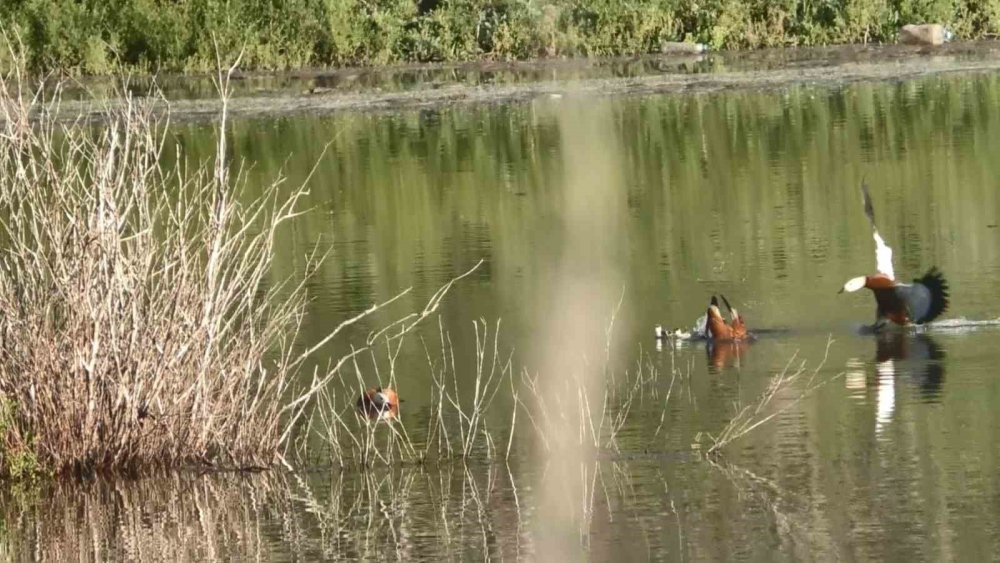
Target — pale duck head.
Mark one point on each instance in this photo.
(853, 284)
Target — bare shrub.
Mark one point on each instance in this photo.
(139, 324)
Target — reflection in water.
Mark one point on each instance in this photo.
(885, 383)
(770, 212)
(793, 533)
(917, 356)
(855, 379)
(726, 354)
(642, 508)
(456, 511)
(324, 515)
(171, 518)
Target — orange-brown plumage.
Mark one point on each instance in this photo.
(719, 329)
(377, 403)
(722, 354)
(918, 302)
(890, 305)
(879, 281)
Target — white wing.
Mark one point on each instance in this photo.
(883, 256)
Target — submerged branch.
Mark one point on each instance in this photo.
(750, 417)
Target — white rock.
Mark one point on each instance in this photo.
(924, 34)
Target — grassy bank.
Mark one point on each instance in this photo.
(92, 36)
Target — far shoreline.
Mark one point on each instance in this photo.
(440, 85)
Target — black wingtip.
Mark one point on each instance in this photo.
(715, 301)
(726, 301)
(934, 281)
(869, 208)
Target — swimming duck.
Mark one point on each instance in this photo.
(919, 302)
(664, 334)
(697, 332)
(719, 329)
(377, 403)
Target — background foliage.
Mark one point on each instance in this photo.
(87, 36)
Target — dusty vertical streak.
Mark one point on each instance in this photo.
(584, 286)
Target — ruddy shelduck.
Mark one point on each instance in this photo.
(902, 303)
(377, 403)
(718, 329)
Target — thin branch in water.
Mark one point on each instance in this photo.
(749, 417)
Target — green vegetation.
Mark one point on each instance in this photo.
(17, 458)
(90, 36)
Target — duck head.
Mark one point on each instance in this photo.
(853, 284)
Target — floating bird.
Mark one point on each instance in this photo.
(719, 329)
(664, 334)
(377, 403)
(697, 332)
(919, 302)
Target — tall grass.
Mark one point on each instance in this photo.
(92, 37)
(458, 425)
(483, 407)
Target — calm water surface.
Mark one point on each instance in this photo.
(656, 202)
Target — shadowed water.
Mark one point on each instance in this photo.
(751, 194)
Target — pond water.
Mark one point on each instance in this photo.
(640, 208)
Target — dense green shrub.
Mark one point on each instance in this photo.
(88, 36)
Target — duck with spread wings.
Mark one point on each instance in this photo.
(918, 302)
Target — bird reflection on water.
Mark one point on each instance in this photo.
(900, 357)
(918, 357)
(726, 354)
